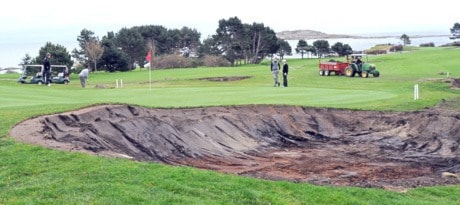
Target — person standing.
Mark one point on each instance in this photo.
(66, 73)
(84, 77)
(275, 68)
(47, 69)
(285, 73)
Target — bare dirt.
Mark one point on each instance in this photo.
(455, 83)
(226, 78)
(393, 150)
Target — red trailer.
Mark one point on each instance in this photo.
(326, 68)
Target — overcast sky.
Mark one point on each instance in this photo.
(27, 25)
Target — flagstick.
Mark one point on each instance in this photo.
(149, 59)
(150, 74)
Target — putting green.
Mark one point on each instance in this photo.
(32, 95)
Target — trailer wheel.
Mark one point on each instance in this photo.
(327, 73)
(350, 72)
(321, 72)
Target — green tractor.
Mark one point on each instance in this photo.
(360, 67)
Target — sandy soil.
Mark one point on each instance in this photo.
(393, 150)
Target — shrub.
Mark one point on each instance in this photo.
(396, 48)
(431, 44)
(215, 61)
(375, 52)
(455, 43)
(173, 61)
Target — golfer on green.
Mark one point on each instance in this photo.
(84, 77)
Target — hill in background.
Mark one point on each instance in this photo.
(310, 34)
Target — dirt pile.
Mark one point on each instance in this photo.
(320, 146)
(456, 83)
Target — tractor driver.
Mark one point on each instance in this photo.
(359, 62)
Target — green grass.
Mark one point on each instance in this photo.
(34, 175)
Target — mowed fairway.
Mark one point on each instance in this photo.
(30, 174)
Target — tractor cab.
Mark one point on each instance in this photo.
(359, 64)
(32, 74)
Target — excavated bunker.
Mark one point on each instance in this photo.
(320, 146)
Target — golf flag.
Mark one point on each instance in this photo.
(149, 59)
(149, 56)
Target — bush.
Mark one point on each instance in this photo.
(455, 43)
(215, 61)
(396, 48)
(174, 61)
(375, 52)
(431, 44)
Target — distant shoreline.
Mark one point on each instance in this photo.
(392, 36)
(310, 35)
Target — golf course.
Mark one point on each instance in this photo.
(41, 163)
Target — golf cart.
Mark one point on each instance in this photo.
(60, 74)
(32, 74)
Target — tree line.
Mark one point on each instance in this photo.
(233, 42)
(122, 51)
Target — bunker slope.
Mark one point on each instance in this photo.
(315, 145)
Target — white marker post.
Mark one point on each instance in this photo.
(121, 83)
(117, 83)
(416, 92)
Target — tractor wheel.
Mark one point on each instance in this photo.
(40, 82)
(327, 73)
(350, 72)
(364, 74)
(376, 74)
(321, 72)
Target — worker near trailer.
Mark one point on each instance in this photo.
(285, 73)
(275, 69)
(47, 69)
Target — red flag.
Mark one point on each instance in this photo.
(149, 56)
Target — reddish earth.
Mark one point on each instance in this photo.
(394, 150)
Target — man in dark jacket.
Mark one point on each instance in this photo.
(47, 69)
(285, 72)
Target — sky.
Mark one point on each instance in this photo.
(27, 25)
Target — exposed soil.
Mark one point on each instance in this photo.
(456, 83)
(394, 150)
(226, 78)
